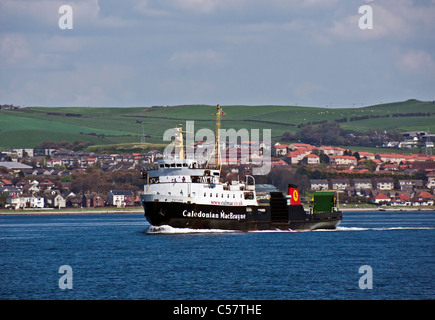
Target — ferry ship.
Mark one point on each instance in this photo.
(183, 193)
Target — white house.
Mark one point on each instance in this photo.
(337, 160)
(311, 159)
(384, 184)
(59, 201)
(319, 184)
(340, 184)
(331, 151)
(281, 149)
(381, 198)
(430, 181)
(362, 183)
(25, 201)
(120, 198)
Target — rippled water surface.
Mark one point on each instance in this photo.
(118, 256)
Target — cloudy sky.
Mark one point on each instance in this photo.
(170, 52)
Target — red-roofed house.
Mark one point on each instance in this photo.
(367, 155)
(91, 161)
(311, 159)
(278, 162)
(332, 151)
(391, 157)
(401, 200)
(13, 201)
(46, 184)
(281, 149)
(5, 183)
(423, 199)
(335, 160)
(295, 146)
(53, 162)
(390, 167)
(294, 157)
(421, 157)
(380, 198)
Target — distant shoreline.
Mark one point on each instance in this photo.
(136, 210)
(390, 209)
(139, 210)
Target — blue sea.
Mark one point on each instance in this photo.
(371, 255)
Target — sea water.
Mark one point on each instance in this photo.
(119, 256)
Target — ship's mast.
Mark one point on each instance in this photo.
(178, 142)
(217, 154)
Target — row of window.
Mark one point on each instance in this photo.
(222, 195)
(248, 195)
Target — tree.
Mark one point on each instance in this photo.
(288, 136)
(67, 178)
(3, 197)
(370, 165)
(323, 158)
(281, 177)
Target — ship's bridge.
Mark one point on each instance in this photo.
(182, 170)
(178, 163)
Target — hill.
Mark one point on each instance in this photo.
(28, 127)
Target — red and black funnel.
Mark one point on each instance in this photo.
(293, 192)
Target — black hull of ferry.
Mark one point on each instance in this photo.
(252, 218)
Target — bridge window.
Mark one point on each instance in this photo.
(249, 195)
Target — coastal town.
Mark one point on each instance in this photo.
(59, 178)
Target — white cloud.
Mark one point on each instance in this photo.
(14, 49)
(318, 3)
(134, 51)
(305, 91)
(84, 85)
(47, 11)
(393, 20)
(200, 58)
(165, 7)
(417, 62)
(34, 14)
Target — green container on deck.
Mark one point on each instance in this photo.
(324, 201)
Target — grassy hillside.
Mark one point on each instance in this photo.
(28, 127)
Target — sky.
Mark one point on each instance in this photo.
(138, 53)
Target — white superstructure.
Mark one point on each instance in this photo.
(184, 180)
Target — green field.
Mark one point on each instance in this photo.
(29, 127)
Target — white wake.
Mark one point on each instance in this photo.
(165, 229)
(375, 228)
